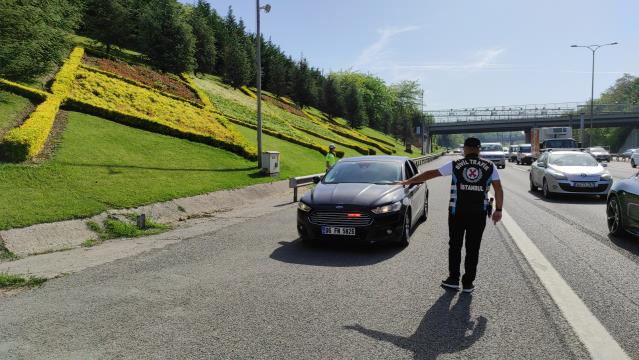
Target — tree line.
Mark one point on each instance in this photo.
(180, 37)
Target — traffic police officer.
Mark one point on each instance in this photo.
(472, 177)
(331, 157)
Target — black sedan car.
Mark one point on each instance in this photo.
(623, 207)
(358, 200)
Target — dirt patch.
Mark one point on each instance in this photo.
(284, 106)
(55, 137)
(161, 81)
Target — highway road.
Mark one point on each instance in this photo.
(254, 291)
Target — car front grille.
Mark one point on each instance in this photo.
(598, 188)
(339, 219)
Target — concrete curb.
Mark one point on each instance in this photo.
(71, 233)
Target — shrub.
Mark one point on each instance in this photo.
(200, 93)
(139, 84)
(65, 77)
(27, 140)
(29, 93)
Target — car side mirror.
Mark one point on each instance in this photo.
(541, 165)
(316, 179)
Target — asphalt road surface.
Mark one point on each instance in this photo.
(254, 291)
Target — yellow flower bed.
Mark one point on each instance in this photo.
(28, 92)
(200, 93)
(27, 140)
(136, 106)
(65, 77)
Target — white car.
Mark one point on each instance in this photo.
(569, 172)
(495, 153)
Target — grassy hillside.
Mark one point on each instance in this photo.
(100, 164)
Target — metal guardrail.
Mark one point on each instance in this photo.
(299, 181)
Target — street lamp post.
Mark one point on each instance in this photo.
(258, 81)
(593, 49)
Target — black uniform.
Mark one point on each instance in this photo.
(471, 180)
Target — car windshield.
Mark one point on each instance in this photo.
(372, 172)
(597, 149)
(491, 147)
(572, 160)
(560, 143)
(525, 149)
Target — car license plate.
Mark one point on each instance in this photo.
(585, 185)
(334, 230)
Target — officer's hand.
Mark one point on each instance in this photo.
(496, 217)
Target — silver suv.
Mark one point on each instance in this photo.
(495, 153)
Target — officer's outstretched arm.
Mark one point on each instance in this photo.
(420, 178)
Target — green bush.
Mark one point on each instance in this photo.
(65, 77)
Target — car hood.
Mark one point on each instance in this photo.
(580, 173)
(357, 194)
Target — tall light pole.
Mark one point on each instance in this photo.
(423, 123)
(258, 82)
(594, 49)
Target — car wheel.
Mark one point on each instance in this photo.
(632, 163)
(615, 220)
(546, 190)
(518, 162)
(533, 187)
(405, 239)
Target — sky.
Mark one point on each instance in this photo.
(464, 53)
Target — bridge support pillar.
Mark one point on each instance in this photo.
(427, 142)
(527, 135)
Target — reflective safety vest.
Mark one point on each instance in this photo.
(331, 159)
(470, 183)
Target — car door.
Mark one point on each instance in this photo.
(538, 169)
(632, 205)
(421, 190)
(412, 192)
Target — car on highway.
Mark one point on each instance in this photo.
(359, 200)
(634, 159)
(599, 153)
(623, 207)
(569, 172)
(525, 154)
(512, 153)
(628, 153)
(493, 152)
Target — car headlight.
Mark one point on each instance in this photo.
(557, 175)
(394, 207)
(303, 207)
(606, 177)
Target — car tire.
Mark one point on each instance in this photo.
(404, 240)
(546, 190)
(518, 162)
(533, 187)
(424, 216)
(614, 216)
(632, 163)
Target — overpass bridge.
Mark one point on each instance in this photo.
(526, 117)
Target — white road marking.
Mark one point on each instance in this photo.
(597, 340)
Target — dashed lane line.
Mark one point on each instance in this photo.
(597, 340)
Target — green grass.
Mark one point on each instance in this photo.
(15, 281)
(11, 106)
(101, 165)
(113, 228)
(6, 254)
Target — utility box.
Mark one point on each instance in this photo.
(271, 162)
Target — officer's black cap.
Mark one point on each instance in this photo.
(472, 142)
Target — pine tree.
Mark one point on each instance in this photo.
(166, 37)
(205, 52)
(236, 68)
(108, 21)
(333, 103)
(354, 106)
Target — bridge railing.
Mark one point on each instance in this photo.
(530, 111)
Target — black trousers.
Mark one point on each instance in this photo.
(472, 225)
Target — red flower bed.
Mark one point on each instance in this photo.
(163, 82)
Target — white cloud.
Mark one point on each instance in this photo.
(376, 52)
